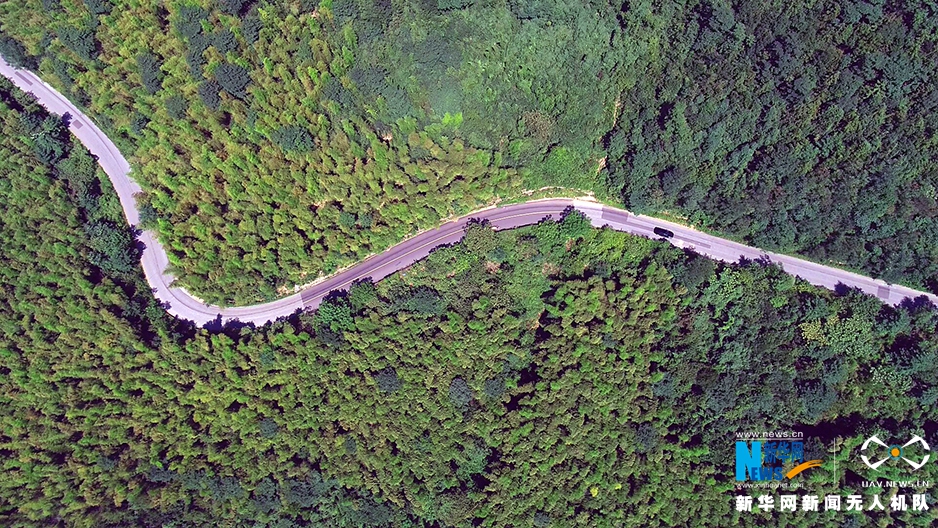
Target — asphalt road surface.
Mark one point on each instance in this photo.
(181, 304)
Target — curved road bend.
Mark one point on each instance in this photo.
(182, 304)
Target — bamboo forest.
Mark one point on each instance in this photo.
(277, 140)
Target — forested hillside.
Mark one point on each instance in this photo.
(263, 162)
(280, 139)
(804, 126)
(87, 359)
(550, 376)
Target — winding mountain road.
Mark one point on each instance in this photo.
(182, 304)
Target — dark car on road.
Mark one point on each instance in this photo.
(662, 232)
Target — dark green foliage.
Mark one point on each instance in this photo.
(138, 123)
(387, 380)
(435, 53)
(460, 394)
(199, 43)
(251, 27)
(475, 458)
(233, 78)
(194, 480)
(497, 255)
(480, 239)
(292, 138)
(362, 294)
(334, 91)
(590, 384)
(334, 314)
(817, 399)
(150, 74)
(693, 271)
(160, 475)
(189, 20)
(113, 248)
(32, 123)
(265, 497)
(371, 20)
(176, 107)
(446, 5)
(800, 126)
(422, 301)
(373, 82)
(196, 62)
(78, 169)
(15, 53)
(575, 225)
(347, 219)
(225, 488)
(344, 11)
(530, 9)
(63, 73)
(330, 337)
(396, 102)
(49, 136)
(233, 7)
(224, 41)
(826, 160)
(209, 93)
(99, 7)
(80, 41)
(366, 220)
(148, 216)
(106, 463)
(494, 388)
(302, 493)
(541, 520)
(268, 428)
(647, 437)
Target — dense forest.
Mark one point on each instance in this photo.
(554, 375)
(277, 140)
(805, 126)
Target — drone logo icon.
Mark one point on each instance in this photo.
(895, 452)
